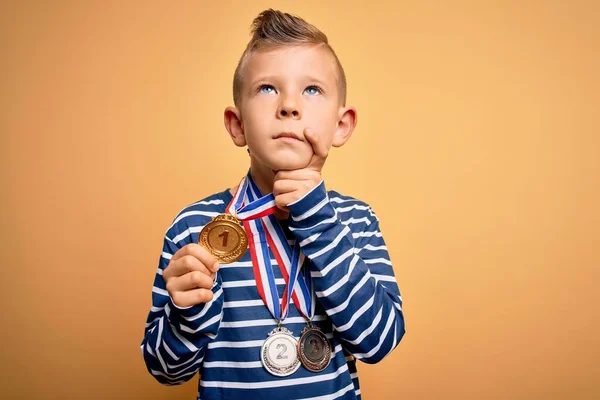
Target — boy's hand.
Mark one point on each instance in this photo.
(290, 186)
(190, 275)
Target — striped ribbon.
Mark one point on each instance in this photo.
(257, 214)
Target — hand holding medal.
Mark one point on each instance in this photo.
(190, 275)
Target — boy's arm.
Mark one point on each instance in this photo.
(352, 276)
(176, 338)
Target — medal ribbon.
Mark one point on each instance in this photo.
(257, 213)
(290, 261)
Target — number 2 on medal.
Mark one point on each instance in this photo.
(281, 355)
(224, 235)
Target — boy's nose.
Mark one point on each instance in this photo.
(285, 112)
(288, 110)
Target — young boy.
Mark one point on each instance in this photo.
(282, 307)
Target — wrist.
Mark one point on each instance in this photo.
(313, 208)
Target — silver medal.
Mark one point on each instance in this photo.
(278, 354)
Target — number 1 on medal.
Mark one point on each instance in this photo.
(225, 234)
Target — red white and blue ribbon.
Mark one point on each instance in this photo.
(257, 209)
(290, 261)
(264, 232)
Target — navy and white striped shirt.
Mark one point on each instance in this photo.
(359, 306)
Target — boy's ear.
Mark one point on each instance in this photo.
(346, 123)
(233, 124)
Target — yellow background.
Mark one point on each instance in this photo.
(477, 146)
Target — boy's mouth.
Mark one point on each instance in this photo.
(289, 135)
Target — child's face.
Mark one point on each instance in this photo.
(286, 90)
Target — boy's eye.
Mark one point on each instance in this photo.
(266, 89)
(313, 90)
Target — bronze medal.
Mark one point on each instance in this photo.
(314, 349)
(224, 238)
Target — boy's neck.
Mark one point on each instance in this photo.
(262, 176)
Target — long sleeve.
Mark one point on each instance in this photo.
(175, 339)
(352, 275)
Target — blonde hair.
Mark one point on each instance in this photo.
(273, 28)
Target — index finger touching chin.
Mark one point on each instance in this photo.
(318, 144)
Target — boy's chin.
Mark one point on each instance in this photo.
(288, 164)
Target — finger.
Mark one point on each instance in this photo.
(319, 148)
(183, 265)
(199, 252)
(189, 281)
(283, 200)
(285, 185)
(297, 175)
(192, 297)
(293, 187)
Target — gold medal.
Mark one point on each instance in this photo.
(224, 238)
